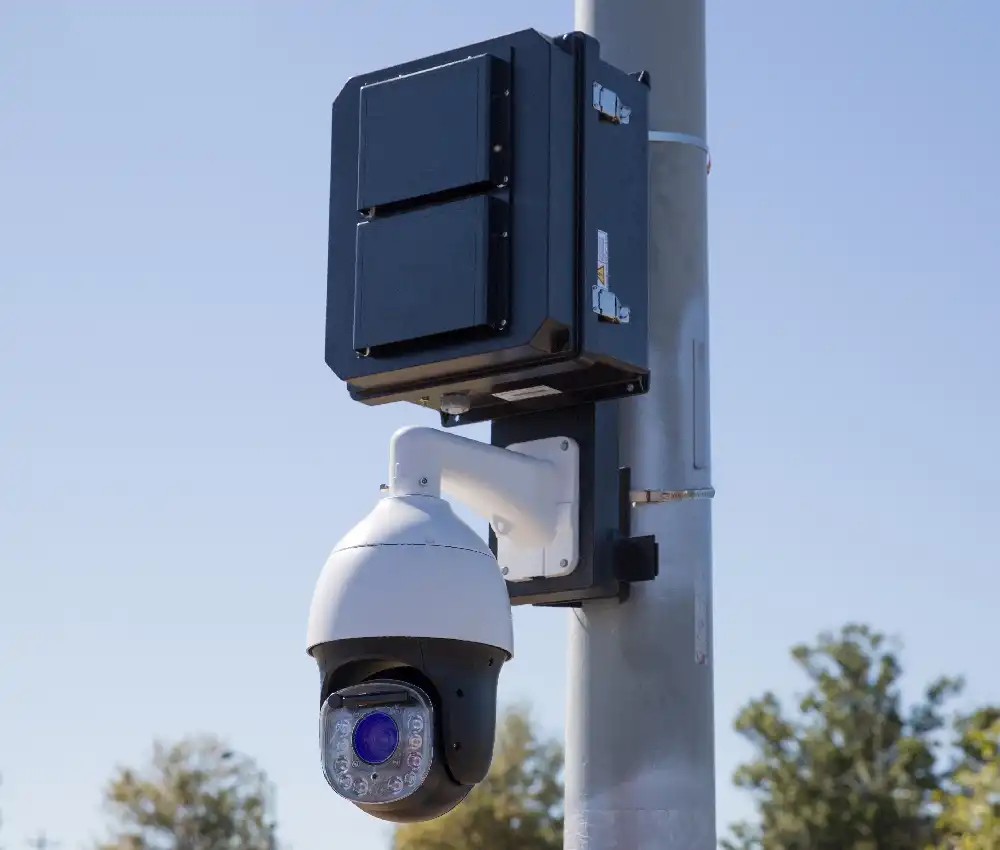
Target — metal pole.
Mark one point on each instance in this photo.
(640, 755)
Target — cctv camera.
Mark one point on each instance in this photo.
(410, 621)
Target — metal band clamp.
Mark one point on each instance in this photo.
(683, 139)
(659, 497)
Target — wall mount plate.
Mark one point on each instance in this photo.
(562, 555)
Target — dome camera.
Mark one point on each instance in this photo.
(410, 622)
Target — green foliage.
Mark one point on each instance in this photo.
(852, 769)
(195, 795)
(970, 798)
(517, 807)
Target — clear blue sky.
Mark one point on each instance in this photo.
(176, 460)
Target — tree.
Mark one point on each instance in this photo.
(970, 798)
(517, 807)
(196, 794)
(853, 769)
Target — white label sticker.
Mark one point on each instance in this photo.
(526, 393)
(602, 259)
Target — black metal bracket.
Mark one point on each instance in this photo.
(611, 559)
(635, 558)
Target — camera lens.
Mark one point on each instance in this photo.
(375, 737)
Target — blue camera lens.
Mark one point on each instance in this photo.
(375, 738)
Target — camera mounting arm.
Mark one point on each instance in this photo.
(529, 492)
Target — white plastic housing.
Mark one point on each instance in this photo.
(411, 568)
(529, 494)
(561, 554)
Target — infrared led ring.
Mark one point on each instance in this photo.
(371, 750)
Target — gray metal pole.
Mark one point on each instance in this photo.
(640, 755)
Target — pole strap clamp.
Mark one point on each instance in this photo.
(683, 139)
(659, 497)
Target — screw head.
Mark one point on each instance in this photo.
(564, 445)
(503, 323)
(454, 404)
(630, 388)
(505, 570)
(564, 563)
(423, 482)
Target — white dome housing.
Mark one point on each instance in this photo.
(412, 568)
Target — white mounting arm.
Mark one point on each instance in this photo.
(529, 493)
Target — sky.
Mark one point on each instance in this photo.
(176, 460)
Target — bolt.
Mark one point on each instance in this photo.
(564, 563)
(453, 404)
(503, 324)
(423, 482)
(564, 445)
(504, 234)
(497, 148)
(630, 388)
(506, 92)
(505, 570)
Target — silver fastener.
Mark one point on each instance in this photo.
(454, 404)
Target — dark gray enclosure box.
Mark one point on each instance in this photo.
(488, 230)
